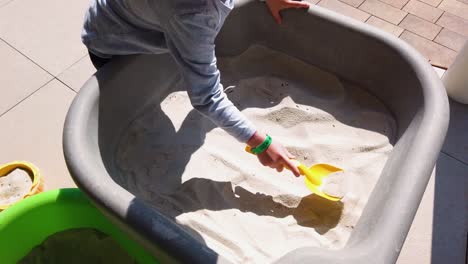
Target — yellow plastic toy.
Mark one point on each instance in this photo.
(37, 181)
(314, 176)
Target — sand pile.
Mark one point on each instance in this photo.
(198, 175)
(14, 186)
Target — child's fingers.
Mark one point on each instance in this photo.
(292, 166)
(288, 154)
(279, 168)
(277, 17)
(291, 156)
(297, 4)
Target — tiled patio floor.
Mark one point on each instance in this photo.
(436, 28)
(43, 65)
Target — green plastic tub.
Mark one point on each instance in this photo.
(31, 221)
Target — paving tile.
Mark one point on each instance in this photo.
(344, 9)
(78, 73)
(455, 7)
(423, 10)
(434, 3)
(451, 39)
(454, 23)
(438, 232)
(354, 3)
(14, 67)
(456, 142)
(396, 3)
(32, 131)
(420, 26)
(383, 11)
(312, 2)
(463, 1)
(4, 2)
(435, 53)
(46, 31)
(384, 25)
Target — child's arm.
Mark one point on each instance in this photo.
(190, 38)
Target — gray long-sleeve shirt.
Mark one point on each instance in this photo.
(185, 28)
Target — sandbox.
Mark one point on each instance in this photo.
(348, 81)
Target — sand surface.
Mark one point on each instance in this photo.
(198, 175)
(80, 246)
(335, 184)
(14, 186)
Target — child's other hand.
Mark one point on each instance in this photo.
(276, 6)
(275, 156)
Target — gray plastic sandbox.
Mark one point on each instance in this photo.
(384, 65)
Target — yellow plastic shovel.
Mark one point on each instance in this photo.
(314, 176)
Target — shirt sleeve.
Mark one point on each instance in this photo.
(190, 38)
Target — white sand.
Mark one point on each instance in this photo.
(201, 177)
(14, 186)
(334, 184)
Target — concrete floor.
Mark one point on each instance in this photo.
(43, 65)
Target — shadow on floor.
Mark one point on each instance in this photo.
(450, 216)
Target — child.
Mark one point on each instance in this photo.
(187, 29)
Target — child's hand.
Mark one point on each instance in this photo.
(275, 156)
(276, 6)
